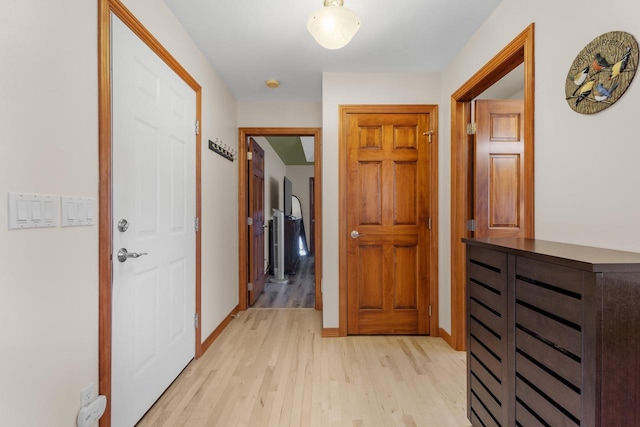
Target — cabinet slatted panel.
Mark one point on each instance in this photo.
(548, 316)
(487, 337)
(571, 318)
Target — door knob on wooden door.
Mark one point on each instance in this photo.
(355, 234)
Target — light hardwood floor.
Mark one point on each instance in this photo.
(271, 367)
(298, 293)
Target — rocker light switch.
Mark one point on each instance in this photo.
(32, 210)
(77, 211)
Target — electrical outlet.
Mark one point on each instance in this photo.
(91, 413)
(88, 394)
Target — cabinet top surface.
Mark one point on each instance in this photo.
(582, 257)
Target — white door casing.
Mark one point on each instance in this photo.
(154, 189)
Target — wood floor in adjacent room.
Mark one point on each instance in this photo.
(298, 292)
(271, 367)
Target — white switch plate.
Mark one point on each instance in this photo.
(77, 211)
(88, 394)
(32, 210)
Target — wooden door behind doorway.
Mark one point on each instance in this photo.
(499, 168)
(256, 212)
(389, 207)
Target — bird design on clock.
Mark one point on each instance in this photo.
(601, 72)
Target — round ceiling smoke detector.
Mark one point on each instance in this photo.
(272, 84)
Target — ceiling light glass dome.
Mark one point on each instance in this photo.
(334, 25)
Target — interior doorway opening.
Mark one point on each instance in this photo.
(311, 266)
(519, 51)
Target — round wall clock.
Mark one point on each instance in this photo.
(601, 72)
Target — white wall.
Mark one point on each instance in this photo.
(355, 88)
(49, 145)
(219, 222)
(280, 114)
(586, 171)
(299, 176)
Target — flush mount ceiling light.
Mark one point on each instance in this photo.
(334, 25)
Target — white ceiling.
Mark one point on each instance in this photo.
(250, 41)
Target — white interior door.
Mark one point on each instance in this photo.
(153, 189)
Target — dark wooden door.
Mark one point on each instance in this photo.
(256, 230)
(388, 203)
(499, 169)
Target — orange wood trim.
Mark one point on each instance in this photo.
(104, 208)
(105, 8)
(520, 50)
(199, 349)
(434, 320)
(446, 337)
(243, 244)
(221, 327)
(243, 134)
(138, 29)
(460, 188)
(343, 111)
(343, 311)
(331, 333)
(529, 130)
(317, 229)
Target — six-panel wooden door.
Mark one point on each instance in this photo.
(256, 210)
(388, 206)
(499, 171)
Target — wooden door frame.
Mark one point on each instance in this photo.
(344, 110)
(243, 257)
(105, 245)
(312, 209)
(519, 51)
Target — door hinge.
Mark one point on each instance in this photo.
(471, 128)
(429, 134)
(249, 221)
(249, 155)
(471, 225)
(429, 223)
(196, 320)
(197, 129)
(250, 286)
(429, 310)
(197, 224)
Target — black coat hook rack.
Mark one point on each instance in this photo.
(222, 149)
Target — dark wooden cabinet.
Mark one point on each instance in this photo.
(553, 334)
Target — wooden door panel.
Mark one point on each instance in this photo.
(256, 210)
(370, 137)
(388, 202)
(406, 277)
(504, 191)
(405, 186)
(390, 323)
(370, 183)
(499, 169)
(504, 126)
(370, 277)
(405, 137)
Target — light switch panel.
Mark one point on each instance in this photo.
(32, 210)
(77, 211)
